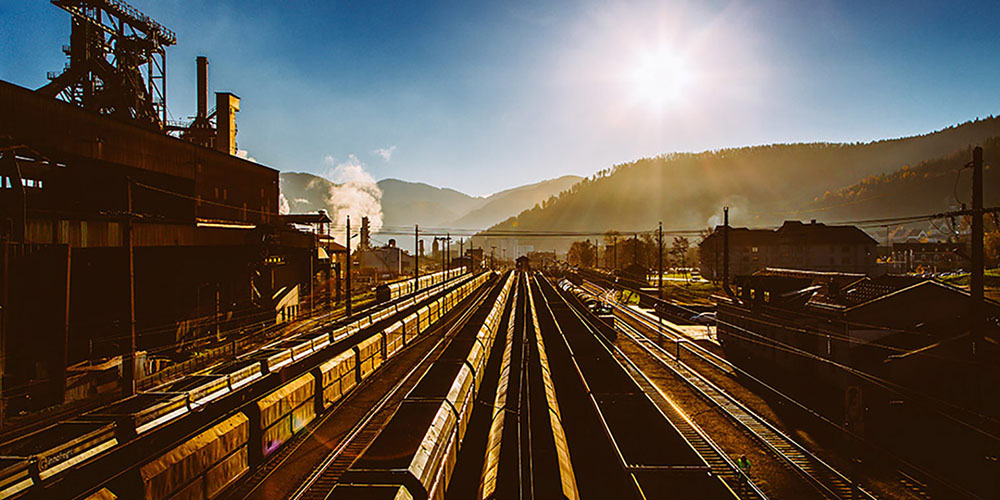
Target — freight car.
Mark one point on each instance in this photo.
(215, 458)
(391, 291)
(415, 453)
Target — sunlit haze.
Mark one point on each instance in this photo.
(441, 92)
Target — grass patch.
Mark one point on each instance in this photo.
(992, 279)
(690, 293)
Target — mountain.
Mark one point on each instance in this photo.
(762, 185)
(407, 203)
(510, 202)
(304, 192)
(934, 185)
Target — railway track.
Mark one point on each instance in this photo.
(824, 477)
(719, 462)
(324, 476)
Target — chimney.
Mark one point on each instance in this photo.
(226, 106)
(202, 86)
(365, 233)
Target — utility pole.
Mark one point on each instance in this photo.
(128, 358)
(416, 256)
(614, 253)
(976, 284)
(635, 249)
(461, 247)
(4, 308)
(725, 251)
(348, 275)
(447, 245)
(493, 250)
(659, 280)
(312, 274)
(659, 262)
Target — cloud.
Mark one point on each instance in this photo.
(385, 153)
(242, 153)
(354, 192)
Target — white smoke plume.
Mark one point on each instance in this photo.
(354, 193)
(283, 208)
(739, 213)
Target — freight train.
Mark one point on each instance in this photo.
(415, 454)
(392, 291)
(205, 464)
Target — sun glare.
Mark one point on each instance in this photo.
(659, 78)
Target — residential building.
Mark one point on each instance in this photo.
(813, 246)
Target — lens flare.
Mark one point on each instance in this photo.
(659, 77)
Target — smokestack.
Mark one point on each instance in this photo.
(202, 62)
(226, 106)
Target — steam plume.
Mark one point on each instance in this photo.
(354, 192)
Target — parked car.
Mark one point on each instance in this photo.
(601, 309)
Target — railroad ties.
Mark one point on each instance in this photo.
(828, 482)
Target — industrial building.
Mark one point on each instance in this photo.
(120, 228)
(813, 246)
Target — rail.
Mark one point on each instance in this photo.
(720, 463)
(820, 474)
(324, 476)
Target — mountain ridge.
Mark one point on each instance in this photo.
(763, 185)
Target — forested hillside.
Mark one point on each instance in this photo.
(765, 185)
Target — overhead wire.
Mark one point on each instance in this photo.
(881, 382)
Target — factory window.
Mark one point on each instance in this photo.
(64, 232)
(767, 296)
(114, 234)
(216, 193)
(754, 249)
(225, 194)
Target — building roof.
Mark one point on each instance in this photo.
(819, 233)
(794, 232)
(313, 218)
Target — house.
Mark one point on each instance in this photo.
(915, 256)
(813, 246)
(388, 259)
(542, 259)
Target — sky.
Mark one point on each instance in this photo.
(483, 96)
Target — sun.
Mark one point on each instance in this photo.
(659, 77)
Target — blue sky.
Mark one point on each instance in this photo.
(482, 96)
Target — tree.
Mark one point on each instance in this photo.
(679, 250)
(611, 238)
(991, 244)
(582, 254)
